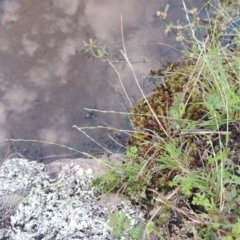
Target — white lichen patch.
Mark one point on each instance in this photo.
(34, 206)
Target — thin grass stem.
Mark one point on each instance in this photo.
(63, 146)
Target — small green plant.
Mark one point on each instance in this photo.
(127, 176)
(235, 232)
(150, 229)
(95, 48)
(204, 201)
(120, 224)
(102, 53)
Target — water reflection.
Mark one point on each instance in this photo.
(45, 82)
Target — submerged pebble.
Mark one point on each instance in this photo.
(35, 206)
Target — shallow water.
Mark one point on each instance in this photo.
(46, 81)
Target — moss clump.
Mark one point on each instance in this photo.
(177, 103)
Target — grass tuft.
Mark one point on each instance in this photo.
(182, 160)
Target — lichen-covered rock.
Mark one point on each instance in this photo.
(34, 206)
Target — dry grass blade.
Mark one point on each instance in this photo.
(124, 53)
(87, 155)
(120, 79)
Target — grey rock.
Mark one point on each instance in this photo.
(34, 205)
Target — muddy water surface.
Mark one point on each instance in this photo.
(45, 81)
